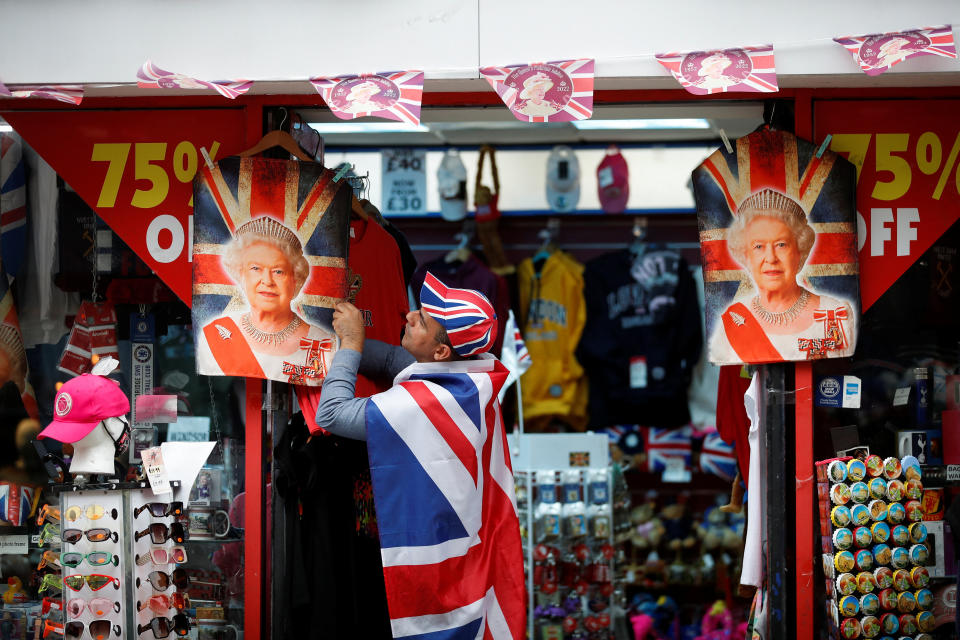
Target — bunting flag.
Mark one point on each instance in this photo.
(877, 52)
(745, 69)
(514, 354)
(150, 76)
(11, 347)
(71, 94)
(446, 507)
(13, 203)
(559, 91)
(391, 95)
(718, 457)
(664, 446)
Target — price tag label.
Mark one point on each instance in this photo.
(901, 396)
(156, 470)
(404, 182)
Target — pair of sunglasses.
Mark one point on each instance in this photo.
(98, 606)
(50, 627)
(161, 627)
(50, 604)
(161, 580)
(160, 509)
(49, 559)
(161, 555)
(50, 533)
(92, 511)
(160, 603)
(95, 581)
(50, 581)
(99, 629)
(160, 533)
(48, 512)
(74, 536)
(73, 559)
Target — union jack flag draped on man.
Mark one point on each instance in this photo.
(443, 486)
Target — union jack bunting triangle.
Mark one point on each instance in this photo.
(559, 91)
(150, 76)
(391, 95)
(446, 509)
(745, 69)
(878, 52)
(70, 94)
(664, 445)
(718, 457)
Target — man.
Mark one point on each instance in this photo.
(442, 482)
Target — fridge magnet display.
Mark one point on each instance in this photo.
(64, 93)
(150, 76)
(392, 95)
(779, 248)
(269, 263)
(878, 52)
(559, 91)
(747, 69)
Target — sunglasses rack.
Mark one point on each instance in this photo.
(104, 529)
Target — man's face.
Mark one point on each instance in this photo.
(772, 253)
(268, 279)
(420, 336)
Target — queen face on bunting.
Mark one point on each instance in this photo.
(779, 318)
(265, 259)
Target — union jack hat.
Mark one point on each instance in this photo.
(467, 315)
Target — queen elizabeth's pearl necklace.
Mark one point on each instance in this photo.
(783, 317)
(274, 338)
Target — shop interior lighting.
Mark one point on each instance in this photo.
(646, 123)
(337, 128)
(5, 128)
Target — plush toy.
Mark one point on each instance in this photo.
(717, 623)
(678, 525)
(14, 593)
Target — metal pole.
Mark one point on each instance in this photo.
(779, 574)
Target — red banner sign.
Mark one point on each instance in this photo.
(907, 154)
(135, 169)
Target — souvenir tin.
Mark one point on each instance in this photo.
(846, 584)
(914, 510)
(894, 491)
(880, 531)
(891, 468)
(866, 582)
(870, 627)
(840, 493)
(911, 468)
(906, 602)
(913, 489)
(837, 471)
(878, 488)
(878, 510)
(899, 558)
(908, 625)
(895, 513)
(874, 466)
(883, 577)
(849, 628)
(924, 599)
(862, 537)
(900, 534)
(860, 515)
(888, 599)
(881, 554)
(919, 577)
(918, 533)
(844, 562)
(849, 606)
(840, 516)
(919, 554)
(889, 623)
(856, 470)
(869, 604)
(842, 539)
(859, 492)
(926, 621)
(901, 580)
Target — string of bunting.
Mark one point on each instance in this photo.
(559, 91)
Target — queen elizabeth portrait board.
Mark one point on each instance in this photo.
(779, 247)
(269, 262)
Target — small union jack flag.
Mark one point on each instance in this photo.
(559, 91)
(878, 52)
(71, 94)
(13, 203)
(150, 76)
(718, 457)
(664, 446)
(392, 95)
(446, 510)
(747, 69)
(514, 354)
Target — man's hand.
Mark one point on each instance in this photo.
(348, 323)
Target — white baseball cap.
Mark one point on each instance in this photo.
(452, 184)
(563, 179)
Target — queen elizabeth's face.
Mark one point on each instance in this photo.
(773, 256)
(268, 279)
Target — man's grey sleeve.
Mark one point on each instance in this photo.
(339, 412)
(383, 361)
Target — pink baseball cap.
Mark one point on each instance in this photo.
(613, 181)
(81, 404)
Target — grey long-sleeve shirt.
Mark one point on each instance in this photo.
(339, 412)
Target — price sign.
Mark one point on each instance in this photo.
(135, 168)
(404, 181)
(907, 155)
